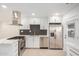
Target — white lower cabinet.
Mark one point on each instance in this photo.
(9, 48)
(36, 42)
(29, 42)
(32, 42)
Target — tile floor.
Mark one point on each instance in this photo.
(43, 52)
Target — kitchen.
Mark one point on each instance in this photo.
(37, 28)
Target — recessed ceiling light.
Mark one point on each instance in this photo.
(3, 6)
(33, 14)
(57, 14)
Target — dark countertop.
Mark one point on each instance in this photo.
(17, 37)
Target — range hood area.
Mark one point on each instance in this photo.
(16, 15)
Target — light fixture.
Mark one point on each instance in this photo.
(57, 14)
(3, 6)
(15, 15)
(33, 14)
(29, 30)
(21, 31)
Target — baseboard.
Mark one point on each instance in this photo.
(43, 47)
(32, 48)
(56, 48)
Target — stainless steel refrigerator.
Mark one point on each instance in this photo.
(55, 36)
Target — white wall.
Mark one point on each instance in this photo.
(7, 30)
(71, 15)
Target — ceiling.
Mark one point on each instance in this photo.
(40, 9)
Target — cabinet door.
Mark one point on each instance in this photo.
(36, 42)
(32, 42)
(29, 42)
(35, 21)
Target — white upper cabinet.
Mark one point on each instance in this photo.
(35, 21)
(55, 19)
(25, 27)
(44, 23)
(25, 22)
